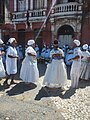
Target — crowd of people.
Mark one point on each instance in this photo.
(62, 63)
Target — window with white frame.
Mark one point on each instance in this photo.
(21, 5)
(38, 4)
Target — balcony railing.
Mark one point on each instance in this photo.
(34, 14)
(60, 10)
(67, 9)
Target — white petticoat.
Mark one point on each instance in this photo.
(29, 72)
(55, 75)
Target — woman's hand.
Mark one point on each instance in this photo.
(2, 53)
(11, 56)
(31, 54)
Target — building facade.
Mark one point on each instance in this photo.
(45, 20)
(1, 15)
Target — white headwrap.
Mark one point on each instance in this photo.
(85, 46)
(77, 42)
(30, 42)
(11, 40)
(1, 42)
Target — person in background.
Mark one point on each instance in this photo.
(3, 48)
(37, 51)
(47, 55)
(69, 55)
(43, 52)
(56, 75)
(76, 65)
(20, 54)
(11, 61)
(2, 70)
(29, 72)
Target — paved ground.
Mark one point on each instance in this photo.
(22, 102)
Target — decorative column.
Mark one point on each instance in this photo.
(45, 3)
(31, 4)
(14, 25)
(53, 1)
(52, 29)
(15, 5)
(0, 33)
(80, 1)
(38, 4)
(26, 4)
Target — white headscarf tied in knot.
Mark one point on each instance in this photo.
(30, 42)
(85, 46)
(11, 40)
(77, 42)
(1, 42)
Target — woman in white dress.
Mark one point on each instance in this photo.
(84, 63)
(2, 70)
(76, 65)
(11, 61)
(56, 75)
(29, 72)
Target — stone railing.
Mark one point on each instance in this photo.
(60, 10)
(34, 14)
(67, 9)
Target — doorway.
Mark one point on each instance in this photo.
(39, 39)
(65, 35)
(21, 39)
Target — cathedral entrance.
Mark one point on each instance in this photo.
(65, 35)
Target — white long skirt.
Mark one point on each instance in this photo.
(29, 72)
(84, 74)
(88, 71)
(2, 70)
(75, 73)
(55, 75)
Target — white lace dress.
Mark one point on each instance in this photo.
(29, 72)
(55, 75)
